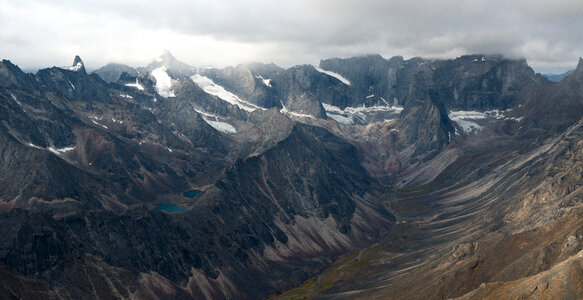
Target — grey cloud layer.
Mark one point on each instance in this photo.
(290, 32)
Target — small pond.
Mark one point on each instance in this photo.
(191, 193)
(171, 208)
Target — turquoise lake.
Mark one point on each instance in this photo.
(191, 193)
(171, 208)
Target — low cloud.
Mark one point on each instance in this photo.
(44, 33)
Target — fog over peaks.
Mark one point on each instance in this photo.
(44, 33)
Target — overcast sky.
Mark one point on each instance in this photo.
(43, 33)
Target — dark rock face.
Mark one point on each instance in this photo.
(11, 75)
(306, 178)
(112, 72)
(302, 88)
(556, 108)
(371, 78)
(473, 82)
(484, 82)
(182, 114)
(248, 83)
(425, 125)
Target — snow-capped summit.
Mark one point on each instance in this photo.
(166, 69)
(175, 68)
(77, 65)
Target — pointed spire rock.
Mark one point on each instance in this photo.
(579, 69)
(78, 65)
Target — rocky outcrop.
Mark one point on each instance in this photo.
(12, 76)
(554, 109)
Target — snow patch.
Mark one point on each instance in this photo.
(61, 150)
(285, 111)
(335, 75)
(207, 85)
(75, 68)
(16, 100)
(349, 113)
(99, 124)
(265, 81)
(163, 82)
(465, 119)
(465, 115)
(216, 124)
(221, 126)
(340, 118)
(363, 108)
(468, 126)
(71, 84)
(387, 103)
(136, 85)
(35, 146)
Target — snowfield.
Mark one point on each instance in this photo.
(335, 75)
(207, 85)
(216, 124)
(346, 115)
(465, 118)
(75, 68)
(265, 81)
(136, 85)
(163, 82)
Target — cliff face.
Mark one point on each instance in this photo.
(473, 82)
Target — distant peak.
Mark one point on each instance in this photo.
(168, 61)
(78, 65)
(166, 58)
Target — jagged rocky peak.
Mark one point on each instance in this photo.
(78, 65)
(10, 73)
(579, 69)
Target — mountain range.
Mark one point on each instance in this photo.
(362, 177)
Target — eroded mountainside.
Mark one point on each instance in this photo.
(172, 181)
